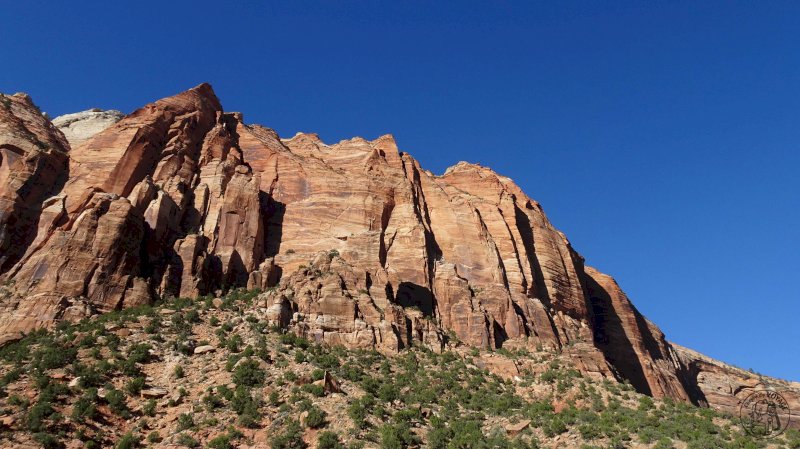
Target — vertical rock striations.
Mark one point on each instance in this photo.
(180, 198)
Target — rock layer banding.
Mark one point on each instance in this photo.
(354, 243)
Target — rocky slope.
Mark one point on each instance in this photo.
(212, 373)
(180, 199)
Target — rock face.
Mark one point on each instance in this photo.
(80, 126)
(630, 342)
(180, 198)
(724, 387)
(33, 166)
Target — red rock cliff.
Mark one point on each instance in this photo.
(367, 248)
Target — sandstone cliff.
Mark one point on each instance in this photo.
(354, 243)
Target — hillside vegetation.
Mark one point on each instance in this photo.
(211, 373)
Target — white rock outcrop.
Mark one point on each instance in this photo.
(81, 126)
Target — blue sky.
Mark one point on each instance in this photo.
(661, 137)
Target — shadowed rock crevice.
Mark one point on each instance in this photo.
(413, 295)
(526, 232)
(273, 217)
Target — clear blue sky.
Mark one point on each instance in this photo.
(662, 137)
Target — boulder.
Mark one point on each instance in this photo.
(153, 393)
(515, 428)
(204, 349)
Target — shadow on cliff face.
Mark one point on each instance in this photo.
(539, 289)
(237, 273)
(272, 213)
(499, 334)
(410, 294)
(609, 336)
(687, 375)
(23, 222)
(526, 232)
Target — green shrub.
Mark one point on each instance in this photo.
(439, 436)
(645, 403)
(328, 361)
(388, 392)
(211, 400)
(225, 392)
(187, 440)
(351, 372)
(249, 373)
(555, 426)
(153, 326)
(274, 398)
(127, 441)
(591, 432)
(293, 340)
(234, 343)
(316, 418)
(316, 390)
(318, 374)
(329, 440)
(398, 436)
(116, 402)
(37, 415)
(178, 372)
(290, 438)
(185, 421)
(793, 438)
(464, 431)
(135, 385)
(358, 413)
(11, 376)
(84, 407)
(549, 376)
(52, 357)
(246, 407)
(18, 401)
(89, 376)
(154, 437)
(220, 442)
(193, 316)
(149, 408)
(664, 443)
(47, 440)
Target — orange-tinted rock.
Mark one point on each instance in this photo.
(180, 198)
(107, 239)
(33, 166)
(240, 228)
(724, 387)
(635, 346)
